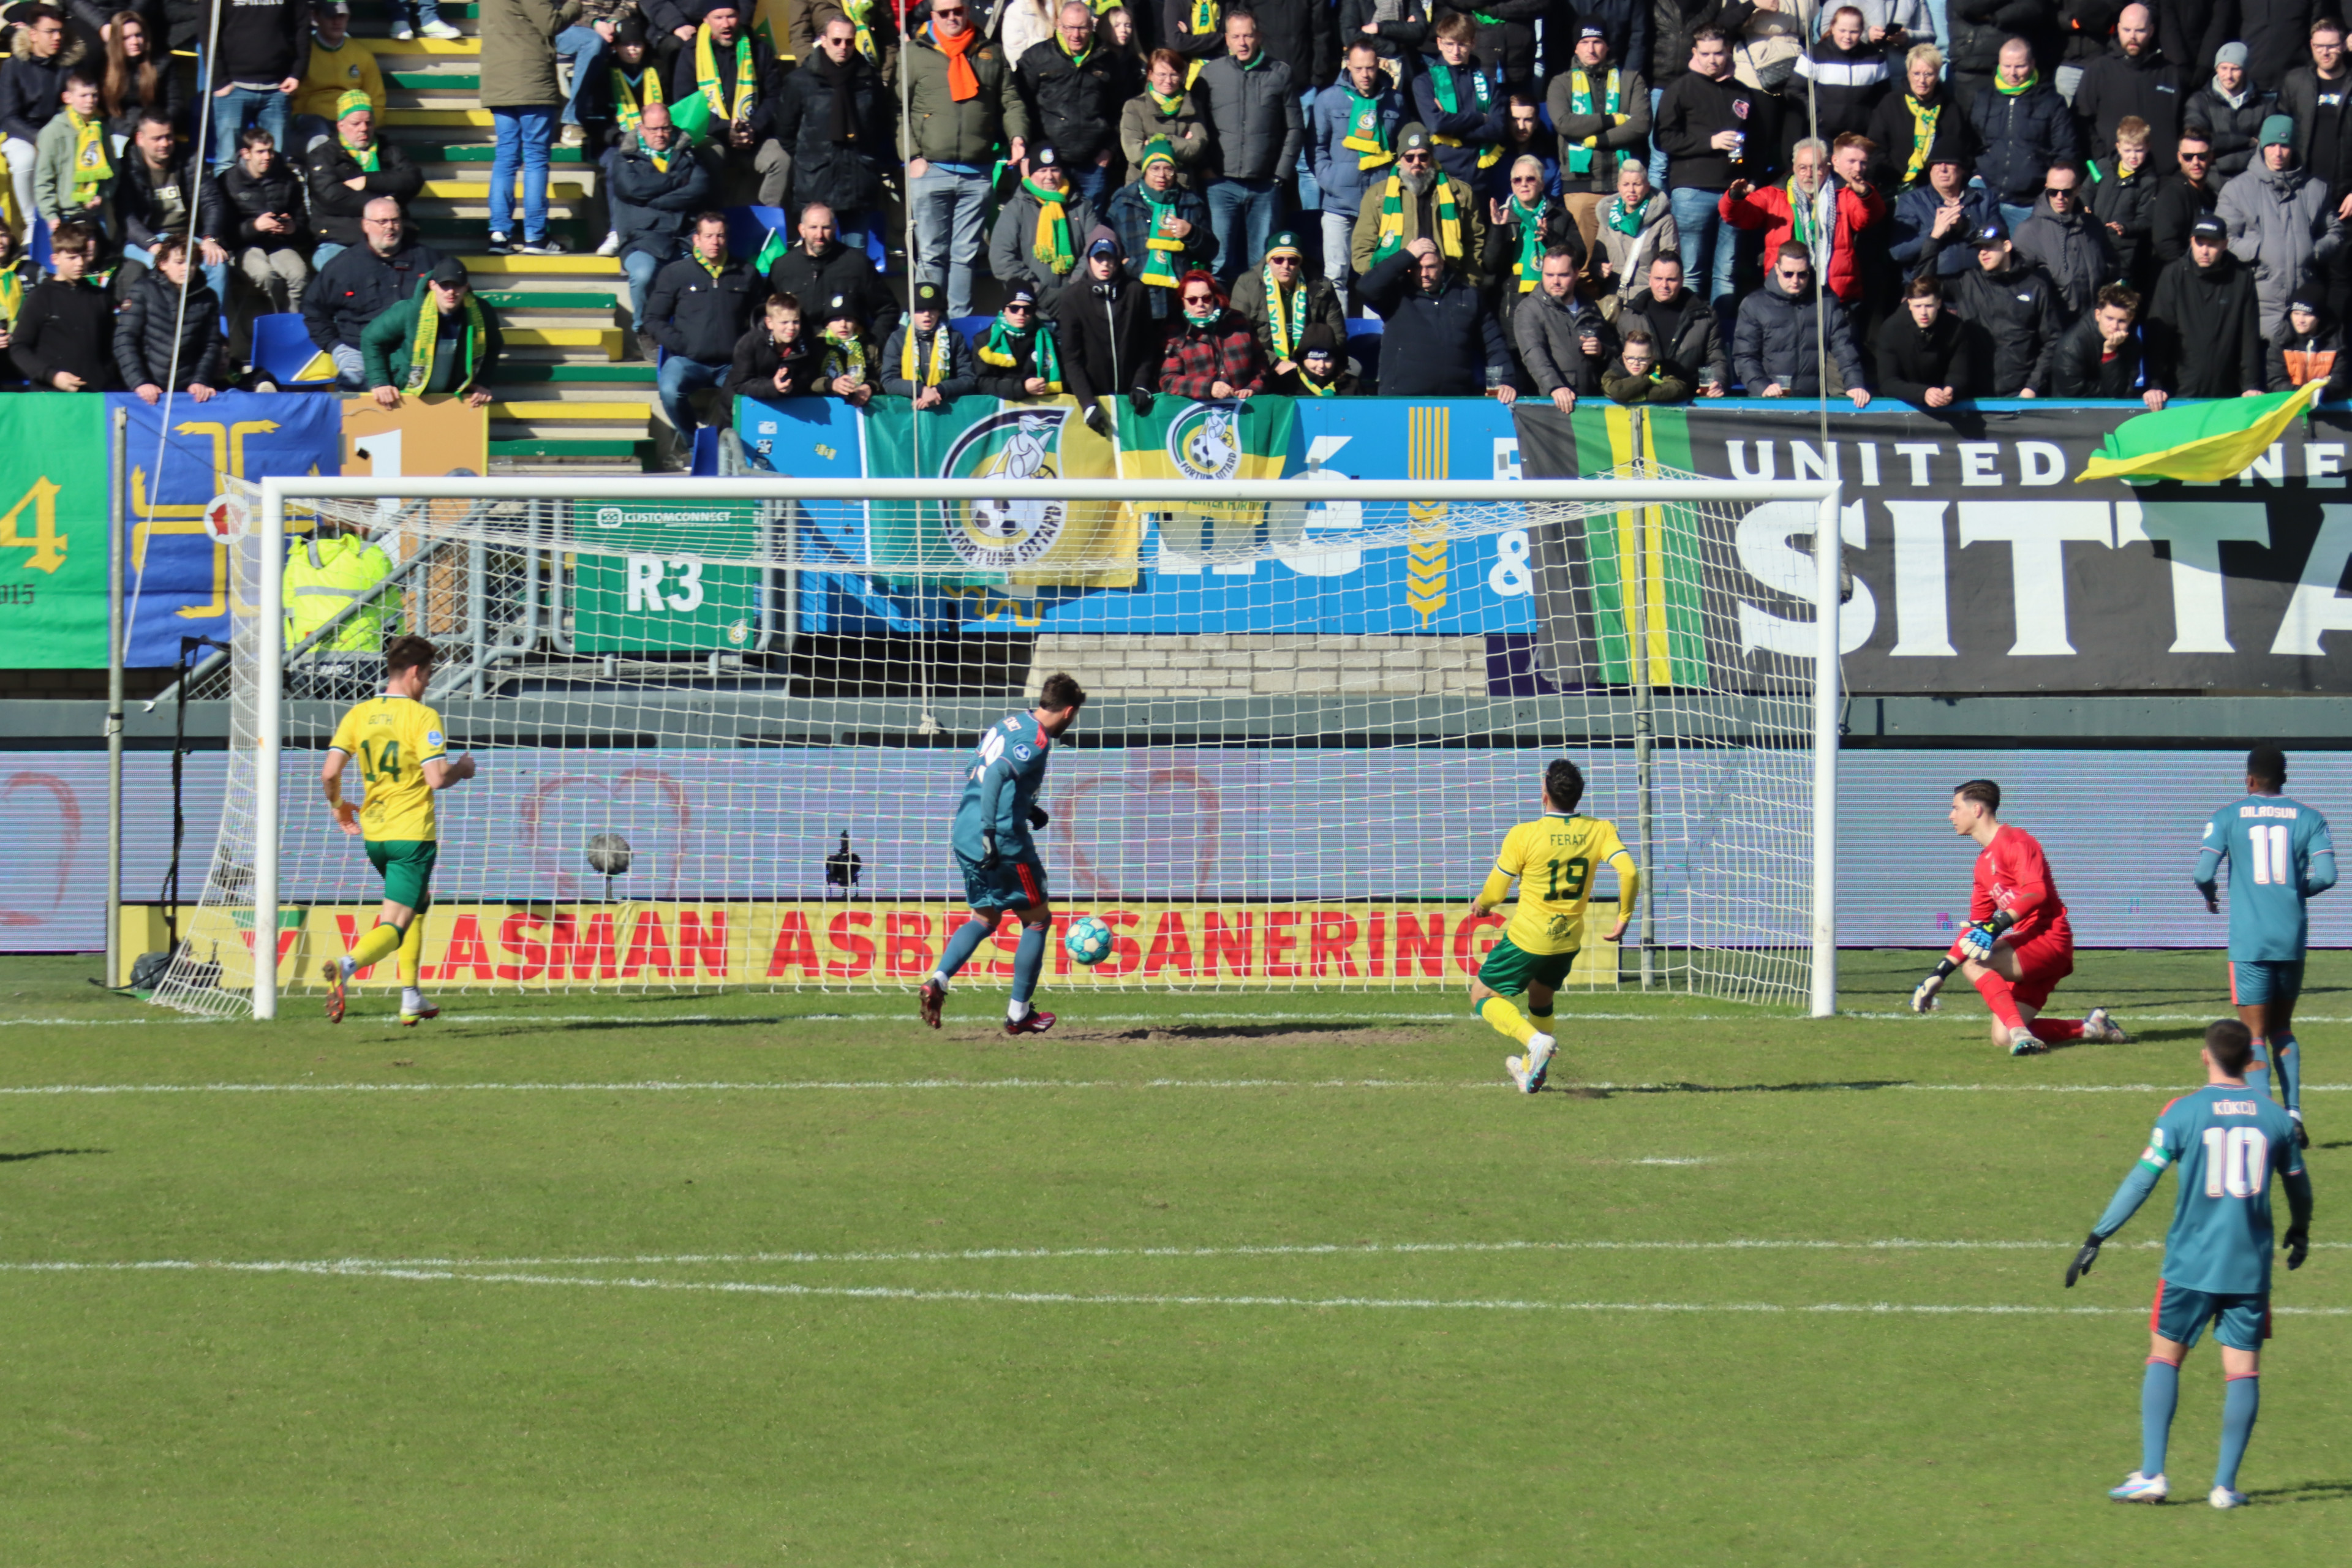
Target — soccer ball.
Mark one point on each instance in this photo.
(1089, 941)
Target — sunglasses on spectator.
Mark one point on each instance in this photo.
(1016, 309)
(1282, 261)
(2058, 190)
(1794, 274)
(2188, 157)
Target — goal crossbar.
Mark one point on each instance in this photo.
(277, 494)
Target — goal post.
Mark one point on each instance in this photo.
(1638, 591)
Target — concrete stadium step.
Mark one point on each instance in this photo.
(607, 341)
(556, 381)
(430, 144)
(421, 49)
(572, 267)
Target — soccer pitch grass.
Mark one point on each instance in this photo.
(1253, 1280)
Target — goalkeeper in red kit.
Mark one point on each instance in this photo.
(2018, 946)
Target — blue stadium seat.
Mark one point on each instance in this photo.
(748, 226)
(1364, 345)
(706, 452)
(283, 352)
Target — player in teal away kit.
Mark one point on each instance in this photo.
(2280, 855)
(1001, 866)
(2226, 1139)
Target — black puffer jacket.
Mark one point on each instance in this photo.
(1775, 340)
(2019, 138)
(845, 176)
(690, 312)
(1447, 344)
(2120, 204)
(1911, 361)
(335, 207)
(2117, 85)
(2204, 330)
(651, 208)
(243, 197)
(142, 334)
(1686, 331)
(2014, 318)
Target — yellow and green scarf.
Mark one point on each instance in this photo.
(630, 100)
(941, 359)
(1207, 19)
(12, 295)
(1367, 137)
(1922, 138)
(1392, 230)
(2033, 79)
(706, 75)
(860, 14)
(1167, 104)
(843, 356)
(92, 167)
(1289, 325)
(1160, 251)
(1580, 86)
(1005, 343)
(1528, 267)
(713, 267)
(1052, 245)
(1443, 88)
(428, 336)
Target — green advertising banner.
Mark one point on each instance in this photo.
(657, 579)
(53, 527)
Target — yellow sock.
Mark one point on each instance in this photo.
(1506, 1019)
(378, 943)
(411, 950)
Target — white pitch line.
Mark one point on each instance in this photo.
(664, 1085)
(1128, 1299)
(1052, 1254)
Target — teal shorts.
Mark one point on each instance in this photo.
(2258, 980)
(406, 867)
(1507, 972)
(2241, 1322)
(1015, 882)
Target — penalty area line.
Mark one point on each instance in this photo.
(870, 1086)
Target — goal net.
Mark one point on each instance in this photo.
(722, 725)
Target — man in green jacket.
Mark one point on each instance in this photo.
(520, 89)
(440, 339)
(962, 106)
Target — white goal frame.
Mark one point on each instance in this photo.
(277, 491)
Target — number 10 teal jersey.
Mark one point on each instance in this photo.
(2280, 854)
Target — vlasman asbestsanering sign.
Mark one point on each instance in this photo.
(1979, 565)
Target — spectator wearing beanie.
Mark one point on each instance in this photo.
(2099, 356)
(2281, 222)
(351, 170)
(2067, 244)
(1419, 199)
(1323, 369)
(926, 359)
(1039, 229)
(1601, 112)
(1020, 356)
(2133, 78)
(1922, 351)
(1281, 300)
(2228, 111)
(1162, 229)
(1945, 207)
(2204, 335)
(2308, 346)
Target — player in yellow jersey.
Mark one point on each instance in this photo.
(1553, 859)
(402, 757)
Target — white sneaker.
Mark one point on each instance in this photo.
(402, 32)
(2021, 1043)
(611, 246)
(2222, 1497)
(437, 28)
(2100, 1028)
(1538, 1059)
(2137, 1488)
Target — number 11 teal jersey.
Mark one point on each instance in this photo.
(2280, 854)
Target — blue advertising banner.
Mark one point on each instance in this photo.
(177, 574)
(1482, 587)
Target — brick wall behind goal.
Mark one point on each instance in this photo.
(1225, 665)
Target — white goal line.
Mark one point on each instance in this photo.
(872, 1086)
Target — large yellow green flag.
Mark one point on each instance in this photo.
(2199, 443)
(1184, 441)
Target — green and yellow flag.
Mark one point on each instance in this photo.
(1183, 441)
(2199, 443)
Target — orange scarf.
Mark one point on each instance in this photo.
(963, 84)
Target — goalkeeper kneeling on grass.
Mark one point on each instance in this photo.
(1553, 858)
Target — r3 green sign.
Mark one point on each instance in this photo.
(646, 580)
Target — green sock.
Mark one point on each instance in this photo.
(1505, 1020)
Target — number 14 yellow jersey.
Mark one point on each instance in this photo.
(1554, 858)
(391, 739)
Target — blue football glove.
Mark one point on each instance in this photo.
(1977, 940)
(988, 856)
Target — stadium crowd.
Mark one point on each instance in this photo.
(1642, 200)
